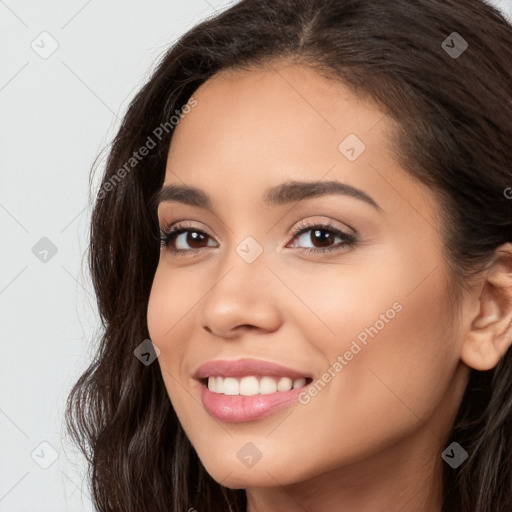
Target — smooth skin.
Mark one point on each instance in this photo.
(371, 439)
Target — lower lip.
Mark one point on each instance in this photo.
(238, 408)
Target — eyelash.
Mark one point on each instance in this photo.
(170, 233)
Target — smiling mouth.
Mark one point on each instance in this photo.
(251, 385)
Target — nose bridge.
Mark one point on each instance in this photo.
(248, 251)
(243, 273)
(242, 293)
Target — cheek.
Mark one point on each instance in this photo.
(156, 312)
(169, 302)
(170, 320)
(165, 309)
(398, 356)
(396, 369)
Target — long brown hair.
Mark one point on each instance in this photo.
(443, 70)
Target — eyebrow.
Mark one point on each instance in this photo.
(276, 196)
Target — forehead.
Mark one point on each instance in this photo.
(279, 101)
(279, 118)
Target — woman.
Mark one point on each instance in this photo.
(302, 253)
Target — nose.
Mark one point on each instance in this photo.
(243, 297)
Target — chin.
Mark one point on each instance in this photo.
(234, 475)
(245, 478)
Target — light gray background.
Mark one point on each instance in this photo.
(56, 115)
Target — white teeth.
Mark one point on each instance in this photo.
(299, 383)
(250, 385)
(268, 385)
(284, 384)
(231, 387)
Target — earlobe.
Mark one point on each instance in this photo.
(490, 331)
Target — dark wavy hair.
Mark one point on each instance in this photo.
(454, 118)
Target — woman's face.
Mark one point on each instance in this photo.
(366, 318)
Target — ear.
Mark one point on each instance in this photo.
(489, 334)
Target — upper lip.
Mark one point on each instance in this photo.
(245, 367)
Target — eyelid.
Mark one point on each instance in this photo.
(180, 224)
(325, 223)
(348, 239)
(185, 224)
(177, 228)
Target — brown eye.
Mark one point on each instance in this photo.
(322, 237)
(183, 239)
(192, 238)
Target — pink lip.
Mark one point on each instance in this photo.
(244, 367)
(237, 409)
